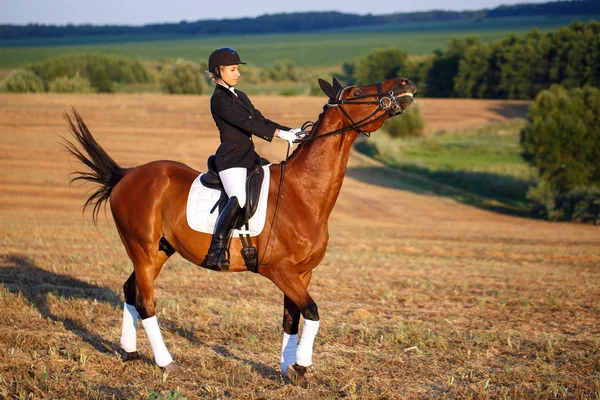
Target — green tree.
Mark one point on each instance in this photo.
(418, 72)
(380, 65)
(592, 73)
(444, 68)
(21, 81)
(472, 79)
(182, 77)
(562, 138)
(409, 124)
(525, 70)
(347, 76)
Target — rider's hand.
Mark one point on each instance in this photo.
(290, 136)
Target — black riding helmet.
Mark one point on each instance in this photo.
(223, 56)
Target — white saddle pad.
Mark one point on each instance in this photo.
(202, 199)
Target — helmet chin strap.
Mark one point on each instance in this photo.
(218, 73)
(227, 84)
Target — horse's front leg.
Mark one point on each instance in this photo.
(295, 358)
(291, 320)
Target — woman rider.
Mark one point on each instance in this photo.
(237, 120)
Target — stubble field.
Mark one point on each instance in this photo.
(419, 296)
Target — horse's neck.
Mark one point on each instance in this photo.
(316, 170)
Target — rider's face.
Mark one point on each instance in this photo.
(230, 74)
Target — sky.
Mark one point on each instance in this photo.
(140, 12)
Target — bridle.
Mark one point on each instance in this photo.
(386, 105)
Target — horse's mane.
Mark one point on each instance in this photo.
(313, 130)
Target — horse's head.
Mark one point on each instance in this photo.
(369, 106)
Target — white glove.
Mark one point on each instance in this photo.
(290, 136)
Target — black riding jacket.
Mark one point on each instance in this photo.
(237, 120)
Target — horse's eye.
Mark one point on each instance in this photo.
(357, 93)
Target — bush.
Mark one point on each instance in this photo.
(379, 65)
(582, 205)
(409, 124)
(102, 70)
(70, 85)
(291, 91)
(562, 138)
(251, 75)
(315, 88)
(282, 71)
(21, 81)
(182, 77)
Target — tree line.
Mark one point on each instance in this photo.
(516, 67)
(297, 22)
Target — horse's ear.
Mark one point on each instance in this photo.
(336, 86)
(327, 89)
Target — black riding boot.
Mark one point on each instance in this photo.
(217, 257)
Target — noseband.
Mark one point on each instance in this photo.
(385, 102)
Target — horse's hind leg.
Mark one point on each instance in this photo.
(139, 300)
(130, 319)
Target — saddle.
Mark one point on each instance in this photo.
(254, 181)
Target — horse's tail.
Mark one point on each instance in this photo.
(104, 170)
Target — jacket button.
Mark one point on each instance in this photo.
(250, 139)
(250, 117)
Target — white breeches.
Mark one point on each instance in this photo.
(234, 182)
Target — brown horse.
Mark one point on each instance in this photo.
(148, 204)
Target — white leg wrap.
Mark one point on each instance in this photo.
(305, 348)
(161, 354)
(128, 333)
(288, 352)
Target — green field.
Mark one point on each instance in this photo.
(325, 48)
(482, 164)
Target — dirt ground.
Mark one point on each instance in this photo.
(420, 296)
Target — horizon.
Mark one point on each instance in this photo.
(139, 13)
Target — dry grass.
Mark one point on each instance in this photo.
(420, 297)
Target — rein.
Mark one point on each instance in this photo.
(386, 102)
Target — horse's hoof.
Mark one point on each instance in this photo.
(295, 373)
(132, 356)
(172, 368)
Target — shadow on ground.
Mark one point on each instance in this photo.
(417, 181)
(512, 110)
(262, 369)
(20, 275)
